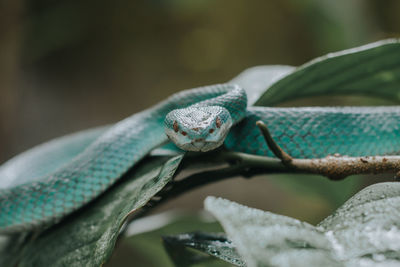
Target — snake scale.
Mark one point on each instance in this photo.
(43, 190)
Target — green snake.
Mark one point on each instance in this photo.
(41, 186)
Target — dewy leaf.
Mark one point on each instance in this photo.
(367, 226)
(372, 70)
(256, 80)
(363, 232)
(266, 239)
(87, 238)
(216, 245)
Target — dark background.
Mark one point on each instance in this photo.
(71, 65)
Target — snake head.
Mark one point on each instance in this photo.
(199, 128)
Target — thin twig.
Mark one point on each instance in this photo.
(276, 149)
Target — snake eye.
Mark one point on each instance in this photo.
(218, 122)
(176, 127)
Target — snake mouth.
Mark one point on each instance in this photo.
(198, 144)
(203, 145)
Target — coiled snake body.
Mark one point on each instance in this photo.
(43, 190)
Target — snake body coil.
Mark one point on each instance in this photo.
(42, 197)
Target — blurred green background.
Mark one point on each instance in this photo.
(71, 65)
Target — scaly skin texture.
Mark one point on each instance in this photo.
(320, 131)
(302, 132)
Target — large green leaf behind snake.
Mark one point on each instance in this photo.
(303, 132)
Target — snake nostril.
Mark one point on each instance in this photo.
(195, 129)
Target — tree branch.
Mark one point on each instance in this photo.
(334, 167)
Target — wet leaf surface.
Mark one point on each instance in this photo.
(213, 244)
(364, 231)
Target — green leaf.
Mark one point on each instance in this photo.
(256, 80)
(87, 237)
(216, 245)
(364, 231)
(372, 70)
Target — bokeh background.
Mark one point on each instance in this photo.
(72, 65)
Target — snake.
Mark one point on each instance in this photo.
(40, 187)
